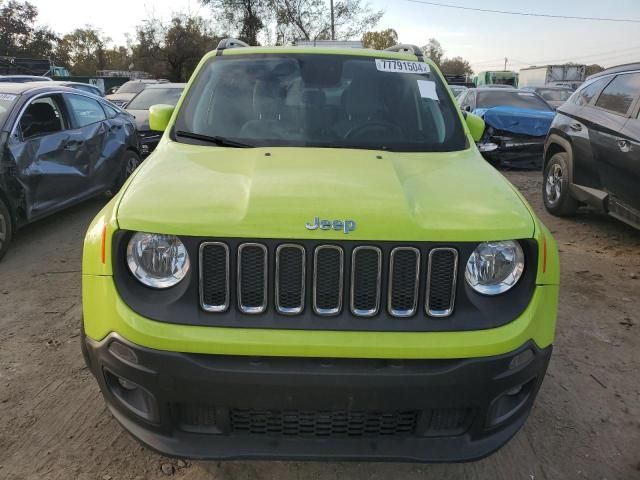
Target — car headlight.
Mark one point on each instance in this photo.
(158, 261)
(495, 267)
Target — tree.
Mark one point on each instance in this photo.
(310, 19)
(83, 51)
(434, 51)
(456, 66)
(246, 17)
(593, 69)
(380, 40)
(19, 34)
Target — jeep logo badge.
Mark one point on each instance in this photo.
(339, 225)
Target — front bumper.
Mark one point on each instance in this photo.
(513, 151)
(226, 406)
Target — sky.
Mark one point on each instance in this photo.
(482, 38)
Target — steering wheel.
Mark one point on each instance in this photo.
(372, 126)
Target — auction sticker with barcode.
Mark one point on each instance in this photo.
(7, 97)
(401, 66)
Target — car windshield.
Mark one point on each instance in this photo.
(511, 98)
(321, 100)
(555, 95)
(132, 87)
(6, 103)
(154, 96)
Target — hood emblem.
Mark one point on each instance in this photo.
(345, 226)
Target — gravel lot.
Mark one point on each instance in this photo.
(585, 424)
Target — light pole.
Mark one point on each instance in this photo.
(333, 25)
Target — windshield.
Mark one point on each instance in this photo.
(6, 104)
(555, 95)
(321, 100)
(513, 98)
(154, 96)
(132, 87)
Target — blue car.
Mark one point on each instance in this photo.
(517, 124)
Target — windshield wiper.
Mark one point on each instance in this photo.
(217, 140)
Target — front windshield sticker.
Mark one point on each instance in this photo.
(401, 66)
(7, 97)
(428, 89)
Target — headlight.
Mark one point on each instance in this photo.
(495, 267)
(158, 261)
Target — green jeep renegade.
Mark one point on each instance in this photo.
(316, 262)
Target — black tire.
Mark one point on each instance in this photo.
(130, 161)
(555, 187)
(6, 229)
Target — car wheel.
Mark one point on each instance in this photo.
(129, 165)
(6, 229)
(555, 189)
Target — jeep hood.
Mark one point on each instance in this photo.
(273, 192)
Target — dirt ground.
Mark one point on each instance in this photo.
(585, 424)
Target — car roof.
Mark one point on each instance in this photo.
(21, 88)
(550, 87)
(166, 85)
(26, 76)
(628, 67)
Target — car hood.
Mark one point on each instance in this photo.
(273, 192)
(535, 123)
(142, 119)
(120, 97)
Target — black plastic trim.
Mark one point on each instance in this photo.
(181, 304)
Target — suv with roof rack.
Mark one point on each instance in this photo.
(316, 262)
(592, 151)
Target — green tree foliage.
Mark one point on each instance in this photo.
(593, 69)
(456, 66)
(83, 50)
(245, 18)
(434, 51)
(19, 34)
(311, 19)
(380, 40)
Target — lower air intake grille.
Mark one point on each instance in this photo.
(441, 282)
(298, 423)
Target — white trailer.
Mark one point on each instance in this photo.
(552, 75)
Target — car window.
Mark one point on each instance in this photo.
(43, 116)
(7, 101)
(110, 111)
(85, 110)
(619, 95)
(555, 95)
(132, 87)
(321, 100)
(584, 96)
(511, 98)
(154, 96)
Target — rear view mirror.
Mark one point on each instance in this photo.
(476, 126)
(159, 116)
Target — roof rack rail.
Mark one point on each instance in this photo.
(406, 48)
(230, 43)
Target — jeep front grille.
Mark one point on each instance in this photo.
(292, 278)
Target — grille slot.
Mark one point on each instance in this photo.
(214, 276)
(404, 277)
(316, 423)
(328, 279)
(366, 275)
(290, 279)
(441, 281)
(252, 278)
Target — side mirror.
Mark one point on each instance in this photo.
(476, 126)
(159, 116)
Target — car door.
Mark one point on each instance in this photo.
(612, 144)
(43, 146)
(90, 123)
(577, 119)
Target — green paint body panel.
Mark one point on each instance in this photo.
(224, 192)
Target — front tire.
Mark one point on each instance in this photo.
(555, 188)
(6, 229)
(130, 162)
